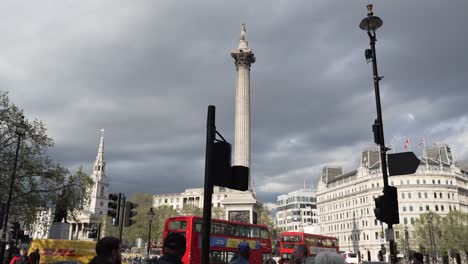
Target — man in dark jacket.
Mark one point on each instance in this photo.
(35, 256)
(107, 251)
(173, 249)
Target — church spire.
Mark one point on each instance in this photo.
(99, 164)
(243, 44)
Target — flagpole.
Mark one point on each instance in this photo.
(425, 153)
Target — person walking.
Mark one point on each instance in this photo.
(174, 247)
(35, 256)
(22, 258)
(243, 249)
(107, 251)
(300, 254)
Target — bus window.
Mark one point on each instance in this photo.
(244, 231)
(198, 226)
(174, 225)
(263, 233)
(254, 232)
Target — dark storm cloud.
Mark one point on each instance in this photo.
(146, 72)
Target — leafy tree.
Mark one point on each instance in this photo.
(217, 212)
(38, 181)
(192, 210)
(450, 232)
(266, 219)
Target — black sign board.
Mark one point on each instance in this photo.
(402, 163)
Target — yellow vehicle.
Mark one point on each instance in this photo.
(64, 251)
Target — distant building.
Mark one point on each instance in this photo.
(345, 201)
(297, 211)
(223, 198)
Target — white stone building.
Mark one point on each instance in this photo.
(222, 198)
(345, 201)
(297, 211)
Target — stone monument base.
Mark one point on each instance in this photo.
(59, 231)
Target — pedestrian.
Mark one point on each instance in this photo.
(35, 256)
(107, 251)
(327, 257)
(22, 258)
(173, 249)
(418, 258)
(300, 254)
(243, 250)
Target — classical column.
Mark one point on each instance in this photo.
(243, 58)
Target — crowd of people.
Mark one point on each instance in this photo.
(108, 251)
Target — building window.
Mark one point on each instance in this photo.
(437, 208)
(419, 195)
(420, 208)
(440, 195)
(442, 208)
(405, 220)
(424, 181)
(101, 203)
(433, 181)
(438, 181)
(402, 195)
(427, 207)
(404, 208)
(165, 200)
(417, 181)
(412, 220)
(409, 195)
(425, 195)
(435, 195)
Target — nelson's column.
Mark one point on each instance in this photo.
(240, 208)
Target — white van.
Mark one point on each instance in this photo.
(350, 258)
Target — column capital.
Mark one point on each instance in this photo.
(243, 58)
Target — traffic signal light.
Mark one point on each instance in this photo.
(129, 206)
(386, 206)
(225, 175)
(15, 226)
(378, 211)
(392, 214)
(114, 206)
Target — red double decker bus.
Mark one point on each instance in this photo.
(225, 236)
(315, 244)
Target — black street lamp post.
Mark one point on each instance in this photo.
(370, 24)
(20, 131)
(431, 236)
(150, 219)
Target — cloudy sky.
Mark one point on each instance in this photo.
(146, 71)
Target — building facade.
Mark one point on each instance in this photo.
(297, 211)
(345, 201)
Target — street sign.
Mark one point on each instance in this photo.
(402, 163)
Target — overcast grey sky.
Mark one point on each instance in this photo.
(146, 71)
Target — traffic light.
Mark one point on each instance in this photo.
(15, 226)
(376, 130)
(128, 214)
(392, 215)
(114, 207)
(225, 175)
(386, 206)
(378, 208)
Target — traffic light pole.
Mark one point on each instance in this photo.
(121, 216)
(380, 131)
(208, 188)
